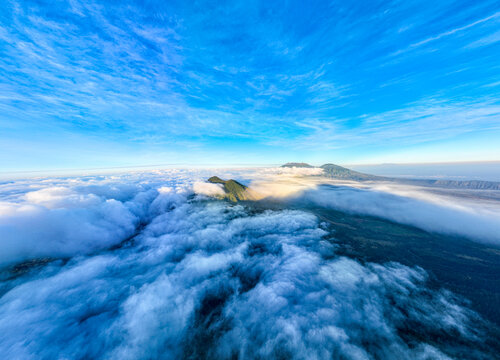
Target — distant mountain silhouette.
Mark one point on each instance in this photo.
(234, 191)
(452, 184)
(338, 172)
(297, 164)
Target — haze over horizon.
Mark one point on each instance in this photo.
(480, 170)
(95, 84)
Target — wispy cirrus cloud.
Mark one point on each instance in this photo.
(493, 18)
(229, 77)
(426, 120)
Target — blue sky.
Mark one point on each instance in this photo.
(104, 83)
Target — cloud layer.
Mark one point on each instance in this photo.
(208, 279)
(474, 214)
(477, 219)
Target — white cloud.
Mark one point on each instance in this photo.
(204, 279)
(428, 119)
(208, 189)
(29, 231)
(444, 212)
(60, 197)
(487, 40)
(448, 33)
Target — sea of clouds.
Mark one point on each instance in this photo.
(476, 219)
(474, 214)
(146, 266)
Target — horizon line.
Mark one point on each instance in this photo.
(182, 165)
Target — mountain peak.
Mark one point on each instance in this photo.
(234, 191)
(339, 172)
(216, 180)
(297, 164)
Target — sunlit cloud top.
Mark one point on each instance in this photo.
(101, 83)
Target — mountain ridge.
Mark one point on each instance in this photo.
(339, 172)
(234, 191)
(297, 164)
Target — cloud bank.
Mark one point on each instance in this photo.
(468, 213)
(476, 219)
(206, 279)
(208, 189)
